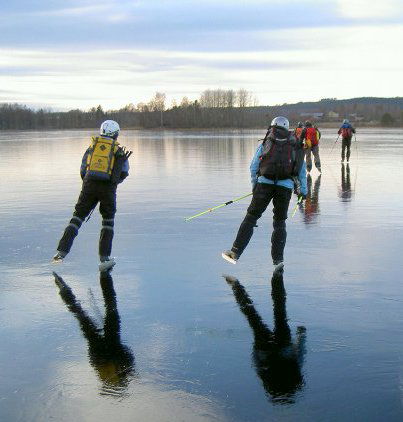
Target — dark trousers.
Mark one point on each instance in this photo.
(262, 195)
(93, 192)
(345, 145)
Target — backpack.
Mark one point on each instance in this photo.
(280, 159)
(312, 136)
(298, 132)
(101, 158)
(346, 132)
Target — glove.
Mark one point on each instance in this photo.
(301, 197)
(123, 152)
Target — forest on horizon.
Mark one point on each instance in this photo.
(214, 109)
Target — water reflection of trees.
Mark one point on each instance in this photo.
(345, 191)
(112, 360)
(310, 207)
(277, 359)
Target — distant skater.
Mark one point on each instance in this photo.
(104, 165)
(310, 136)
(298, 130)
(276, 169)
(346, 131)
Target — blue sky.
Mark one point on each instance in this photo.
(76, 54)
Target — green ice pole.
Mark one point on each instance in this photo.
(218, 206)
(296, 206)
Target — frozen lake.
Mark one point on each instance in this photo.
(168, 338)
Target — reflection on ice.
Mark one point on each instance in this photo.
(277, 359)
(112, 360)
(345, 190)
(310, 207)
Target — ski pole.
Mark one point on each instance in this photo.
(338, 136)
(356, 146)
(218, 206)
(296, 206)
(89, 215)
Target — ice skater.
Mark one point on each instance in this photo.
(346, 131)
(311, 135)
(277, 168)
(104, 165)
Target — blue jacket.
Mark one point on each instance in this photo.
(347, 125)
(286, 183)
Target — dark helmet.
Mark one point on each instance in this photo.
(300, 124)
(308, 123)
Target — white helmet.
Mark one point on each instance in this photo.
(345, 121)
(280, 122)
(109, 128)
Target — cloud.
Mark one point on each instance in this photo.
(66, 53)
(175, 24)
(363, 9)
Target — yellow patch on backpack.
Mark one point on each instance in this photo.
(101, 159)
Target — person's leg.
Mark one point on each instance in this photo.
(308, 159)
(262, 196)
(281, 201)
(107, 209)
(343, 149)
(315, 152)
(86, 202)
(348, 145)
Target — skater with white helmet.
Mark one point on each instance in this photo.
(104, 165)
(277, 168)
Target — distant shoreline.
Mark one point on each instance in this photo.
(324, 125)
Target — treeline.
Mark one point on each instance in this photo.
(214, 109)
(373, 110)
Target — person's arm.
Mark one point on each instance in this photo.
(83, 168)
(254, 165)
(303, 134)
(125, 171)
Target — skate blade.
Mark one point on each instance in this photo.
(227, 258)
(105, 266)
(230, 279)
(278, 268)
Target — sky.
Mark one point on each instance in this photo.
(67, 54)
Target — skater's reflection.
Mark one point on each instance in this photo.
(278, 361)
(345, 191)
(112, 360)
(310, 207)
